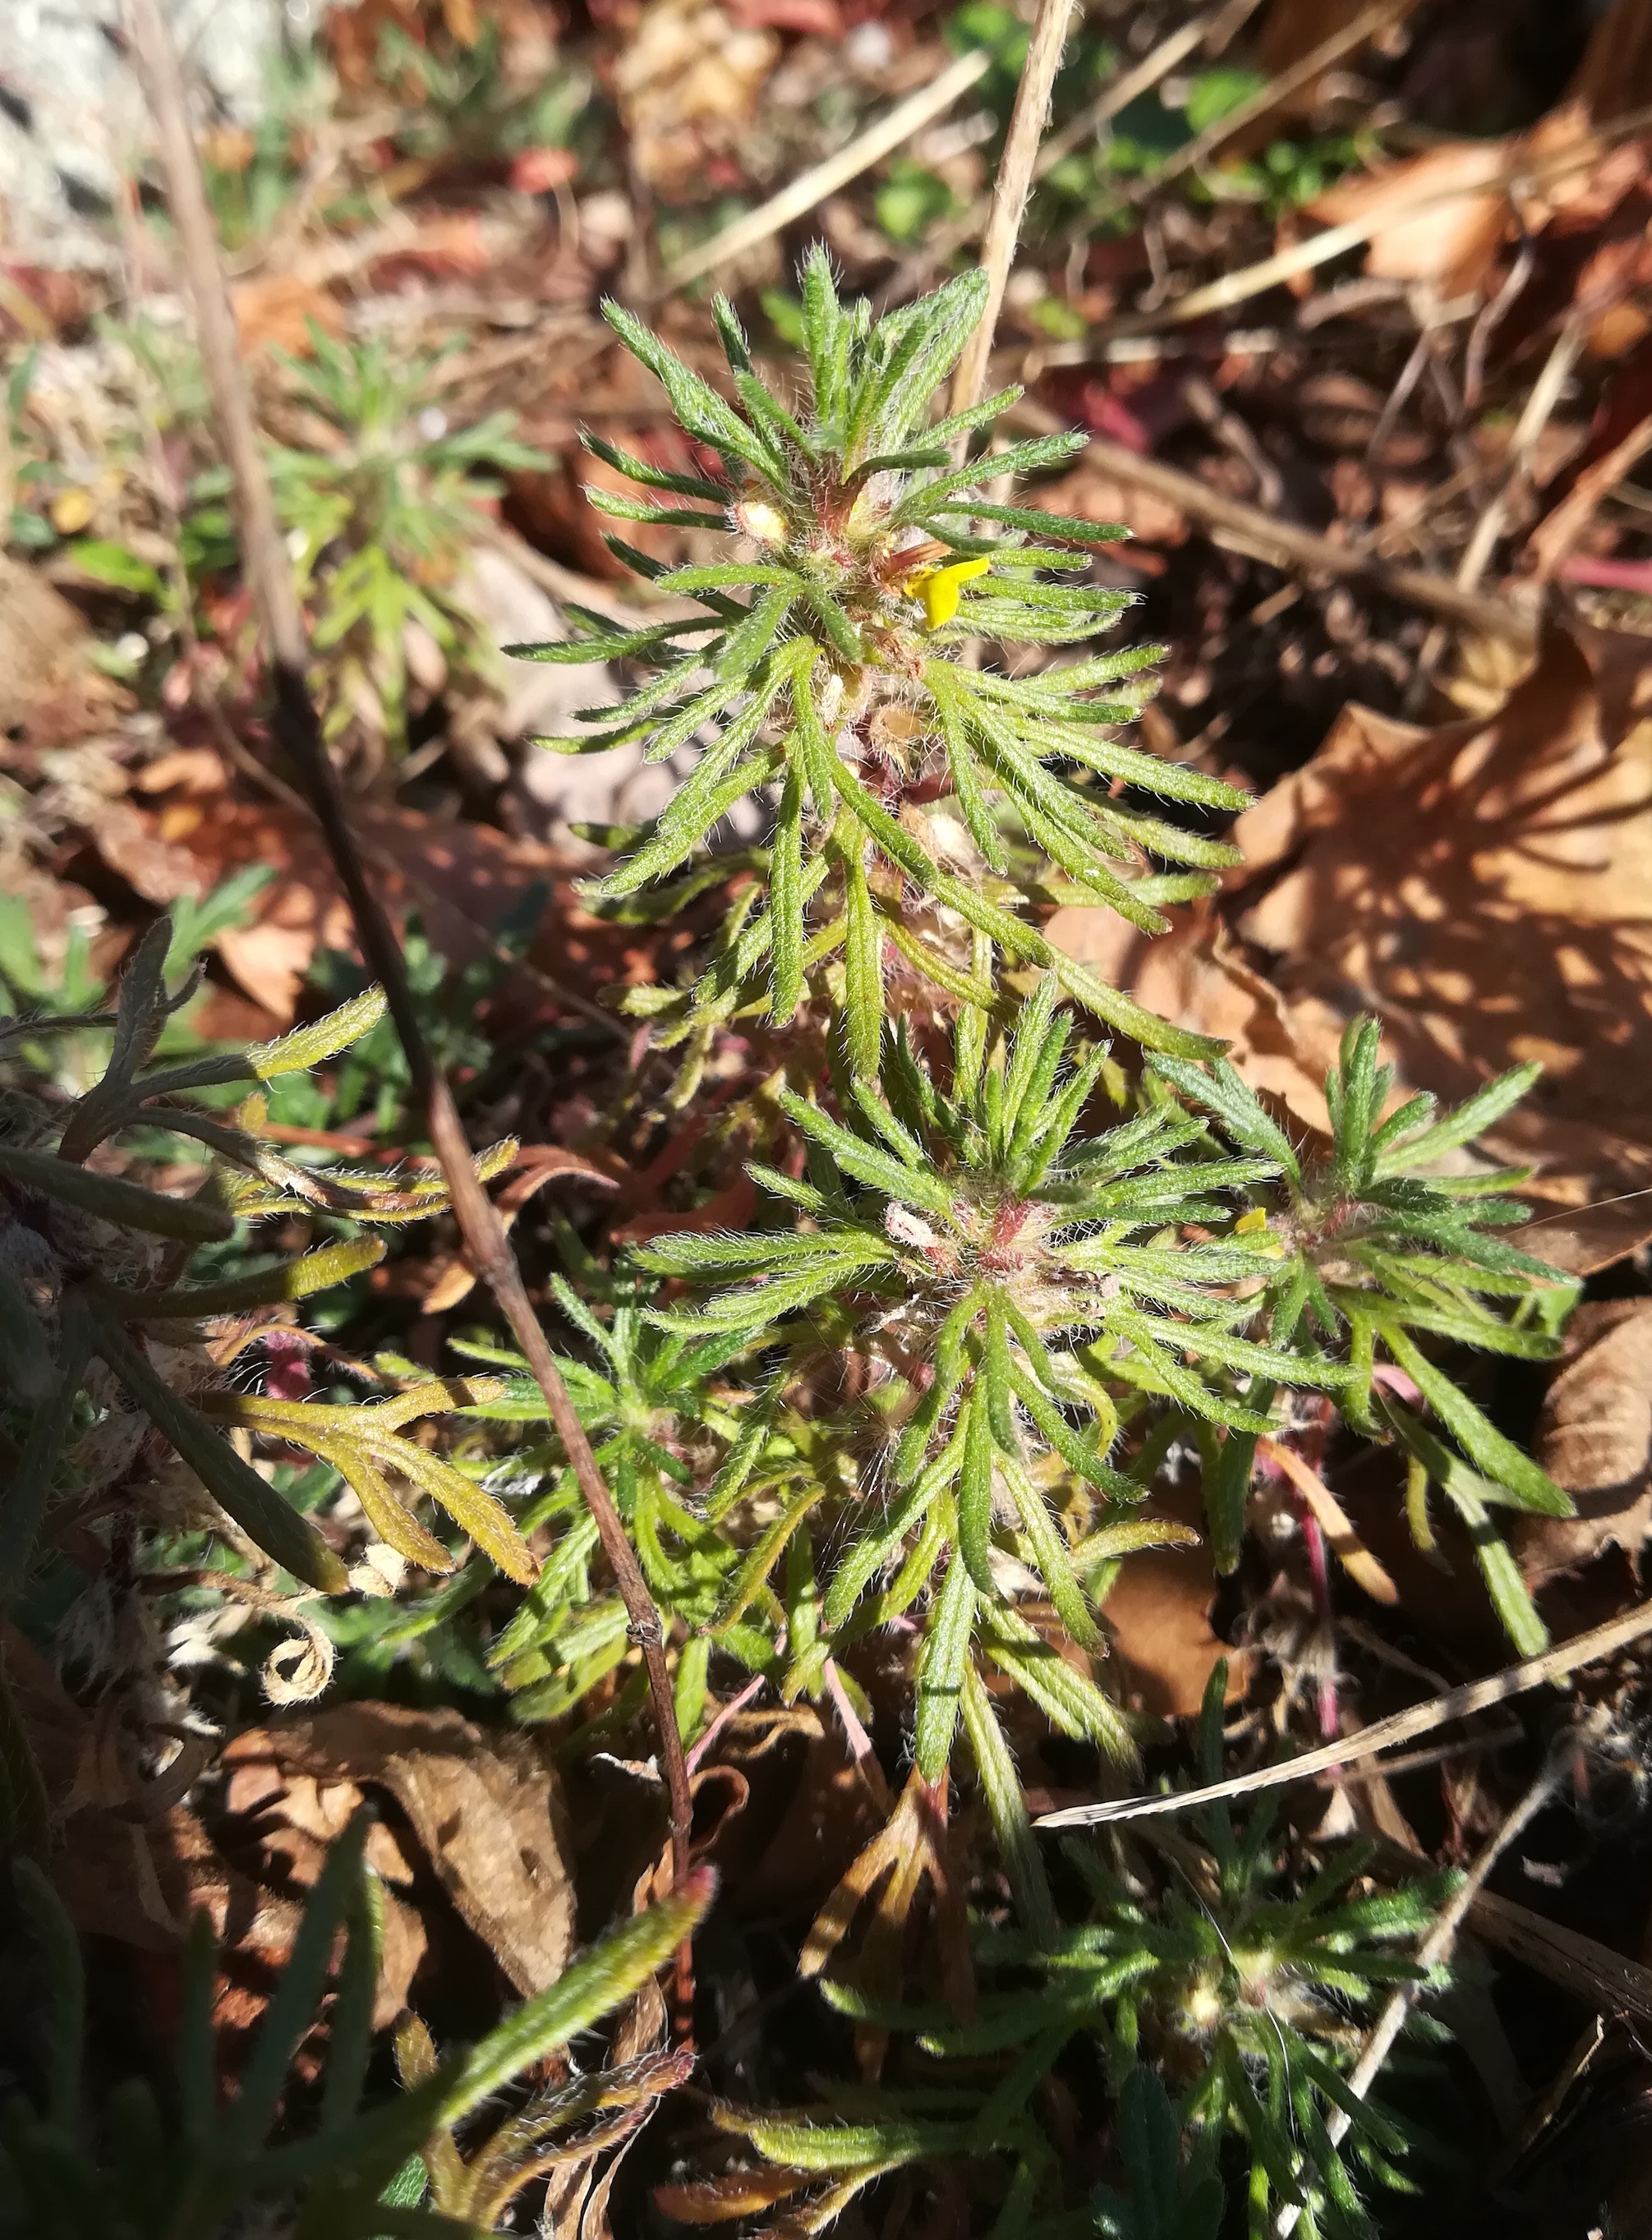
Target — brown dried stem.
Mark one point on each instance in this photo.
(1400, 1726)
(1010, 195)
(297, 727)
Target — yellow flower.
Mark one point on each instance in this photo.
(939, 588)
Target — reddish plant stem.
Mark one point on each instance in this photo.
(298, 730)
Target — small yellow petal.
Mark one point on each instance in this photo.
(1247, 1222)
(70, 512)
(941, 588)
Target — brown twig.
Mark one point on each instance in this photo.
(1434, 1950)
(1213, 27)
(880, 138)
(1382, 1733)
(1299, 256)
(1010, 194)
(1267, 98)
(1539, 410)
(299, 731)
(1282, 544)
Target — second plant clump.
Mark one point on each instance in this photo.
(1001, 1269)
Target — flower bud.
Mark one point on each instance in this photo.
(756, 518)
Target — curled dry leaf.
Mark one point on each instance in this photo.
(1450, 208)
(1594, 1437)
(486, 1810)
(134, 1863)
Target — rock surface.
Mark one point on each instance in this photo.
(70, 110)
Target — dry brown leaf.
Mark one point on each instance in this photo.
(1485, 888)
(1449, 243)
(129, 840)
(1560, 529)
(486, 1810)
(463, 879)
(277, 311)
(1158, 1615)
(49, 692)
(1594, 1437)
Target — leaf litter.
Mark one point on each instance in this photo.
(1478, 880)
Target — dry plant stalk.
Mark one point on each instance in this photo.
(1010, 194)
(1402, 1727)
(486, 1244)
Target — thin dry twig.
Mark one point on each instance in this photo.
(1203, 146)
(795, 200)
(1538, 411)
(1402, 1727)
(1432, 1953)
(1282, 544)
(1214, 26)
(264, 557)
(1321, 248)
(1010, 194)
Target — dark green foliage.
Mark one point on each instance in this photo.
(829, 665)
(1230, 1971)
(1169, 2198)
(175, 2158)
(1382, 1261)
(92, 1264)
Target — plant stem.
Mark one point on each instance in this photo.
(297, 728)
(1434, 1950)
(1014, 185)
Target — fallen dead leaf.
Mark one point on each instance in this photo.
(277, 310)
(134, 1865)
(487, 1811)
(129, 840)
(1485, 888)
(463, 879)
(47, 692)
(1594, 1437)
(1449, 244)
(1158, 1614)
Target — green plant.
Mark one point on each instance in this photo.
(1169, 2198)
(1373, 1255)
(381, 518)
(1229, 1974)
(839, 683)
(33, 992)
(1239, 1976)
(1011, 1281)
(1000, 1270)
(102, 1330)
(185, 2162)
(658, 1421)
(463, 106)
